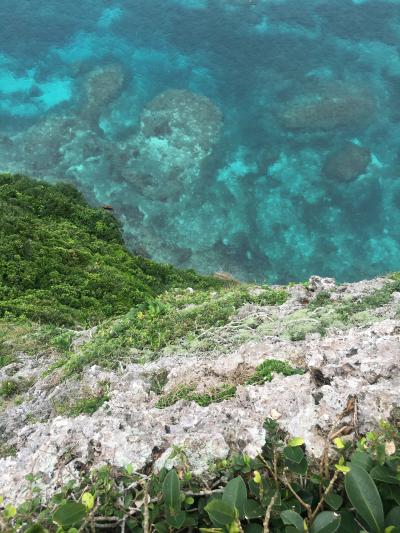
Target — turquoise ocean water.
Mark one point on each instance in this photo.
(258, 137)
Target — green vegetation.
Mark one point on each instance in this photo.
(22, 335)
(322, 298)
(187, 392)
(174, 317)
(379, 298)
(279, 491)
(158, 381)
(12, 387)
(265, 372)
(7, 451)
(87, 405)
(63, 262)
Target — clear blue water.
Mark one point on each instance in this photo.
(258, 137)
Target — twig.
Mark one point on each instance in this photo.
(322, 500)
(300, 500)
(146, 513)
(268, 513)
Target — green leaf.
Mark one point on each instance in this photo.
(335, 501)
(326, 522)
(10, 511)
(393, 517)
(253, 509)
(339, 443)
(70, 514)
(297, 441)
(177, 520)
(298, 468)
(290, 518)
(384, 474)
(295, 455)
(161, 527)
(253, 528)
(88, 500)
(348, 523)
(35, 528)
(364, 496)
(395, 494)
(342, 468)
(171, 490)
(129, 469)
(235, 493)
(221, 513)
(362, 459)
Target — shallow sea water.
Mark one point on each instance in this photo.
(256, 137)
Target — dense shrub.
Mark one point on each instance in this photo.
(280, 491)
(63, 262)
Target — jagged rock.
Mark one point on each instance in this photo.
(358, 362)
(347, 163)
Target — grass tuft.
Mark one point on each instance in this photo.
(187, 392)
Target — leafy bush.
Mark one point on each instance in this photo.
(358, 490)
(63, 262)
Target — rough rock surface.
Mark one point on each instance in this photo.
(358, 361)
(347, 163)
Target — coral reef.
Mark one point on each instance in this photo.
(347, 163)
(178, 130)
(133, 118)
(333, 105)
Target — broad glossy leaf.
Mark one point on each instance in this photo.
(295, 454)
(161, 527)
(393, 517)
(326, 522)
(221, 513)
(253, 509)
(177, 520)
(171, 490)
(253, 528)
(395, 494)
(363, 494)
(235, 493)
(348, 523)
(298, 468)
(70, 514)
(362, 459)
(384, 474)
(335, 501)
(290, 518)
